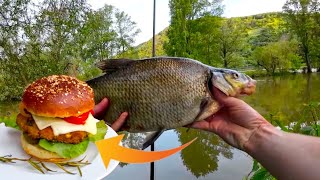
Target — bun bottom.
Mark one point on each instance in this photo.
(40, 153)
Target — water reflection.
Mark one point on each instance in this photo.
(201, 157)
(284, 97)
(134, 140)
(207, 148)
(197, 162)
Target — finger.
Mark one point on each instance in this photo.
(120, 121)
(100, 108)
(232, 133)
(219, 95)
(209, 123)
(225, 100)
(200, 125)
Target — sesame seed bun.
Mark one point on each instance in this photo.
(58, 96)
(39, 153)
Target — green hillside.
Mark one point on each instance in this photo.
(261, 29)
(259, 41)
(144, 50)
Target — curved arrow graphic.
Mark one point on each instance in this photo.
(110, 149)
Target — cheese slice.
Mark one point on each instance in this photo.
(59, 126)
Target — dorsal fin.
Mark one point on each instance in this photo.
(111, 65)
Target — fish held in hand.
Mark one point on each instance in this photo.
(164, 92)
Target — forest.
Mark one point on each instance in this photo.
(68, 37)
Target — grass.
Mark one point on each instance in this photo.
(302, 126)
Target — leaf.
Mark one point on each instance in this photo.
(45, 167)
(9, 122)
(61, 167)
(307, 130)
(79, 170)
(35, 165)
(283, 128)
(65, 150)
(255, 166)
(101, 132)
(261, 174)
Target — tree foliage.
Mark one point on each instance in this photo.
(126, 30)
(231, 41)
(68, 37)
(277, 56)
(181, 33)
(57, 37)
(207, 150)
(301, 16)
(144, 50)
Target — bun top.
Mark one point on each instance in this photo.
(58, 96)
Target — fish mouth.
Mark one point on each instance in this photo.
(250, 88)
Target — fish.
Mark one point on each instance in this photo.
(164, 93)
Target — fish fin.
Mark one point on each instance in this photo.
(208, 107)
(111, 65)
(152, 138)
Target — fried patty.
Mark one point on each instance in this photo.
(28, 126)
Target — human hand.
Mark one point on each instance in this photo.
(235, 122)
(100, 109)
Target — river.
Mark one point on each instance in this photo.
(281, 98)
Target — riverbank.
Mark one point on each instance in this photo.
(263, 73)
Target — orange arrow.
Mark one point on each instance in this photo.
(110, 149)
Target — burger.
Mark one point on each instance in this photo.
(56, 118)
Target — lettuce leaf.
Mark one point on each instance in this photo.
(65, 150)
(10, 121)
(74, 150)
(101, 132)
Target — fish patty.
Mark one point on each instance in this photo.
(28, 126)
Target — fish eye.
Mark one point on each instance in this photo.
(235, 75)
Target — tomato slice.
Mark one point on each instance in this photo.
(78, 119)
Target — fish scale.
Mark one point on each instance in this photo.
(160, 93)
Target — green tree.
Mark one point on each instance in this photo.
(179, 32)
(232, 42)
(57, 37)
(315, 35)
(298, 15)
(97, 36)
(126, 31)
(13, 18)
(144, 50)
(277, 56)
(263, 36)
(203, 39)
(201, 158)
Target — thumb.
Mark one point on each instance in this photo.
(219, 95)
(223, 99)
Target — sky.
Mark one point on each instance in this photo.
(141, 12)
